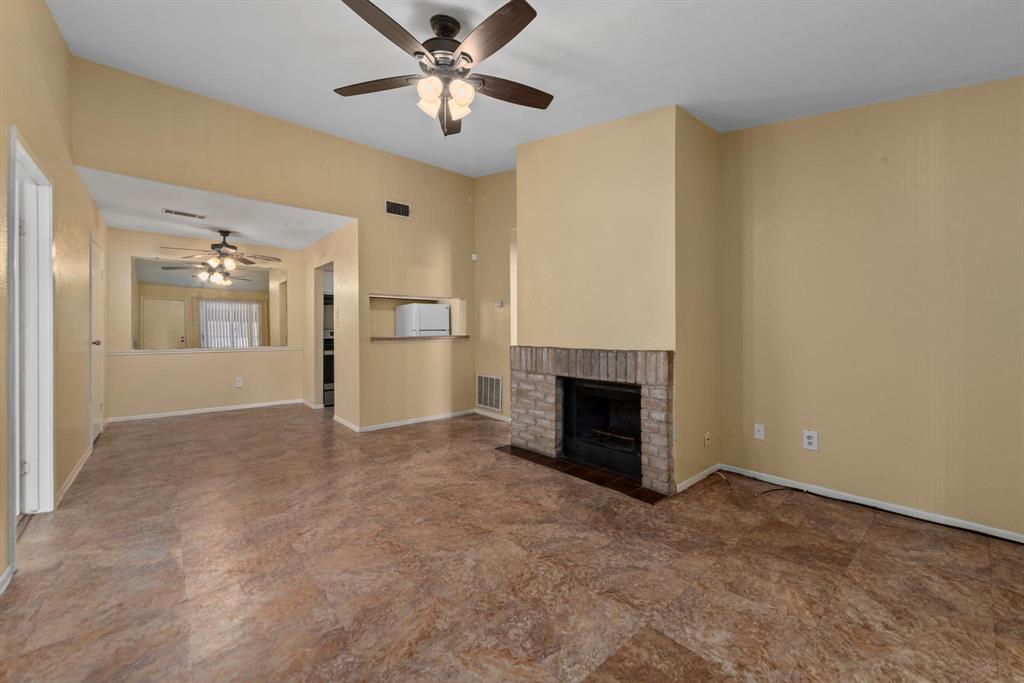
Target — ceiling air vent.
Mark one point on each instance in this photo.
(397, 209)
(186, 214)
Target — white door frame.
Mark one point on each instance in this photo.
(95, 339)
(30, 348)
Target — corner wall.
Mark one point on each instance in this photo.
(494, 229)
(139, 127)
(872, 281)
(35, 97)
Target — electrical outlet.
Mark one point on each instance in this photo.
(707, 439)
(239, 381)
(759, 432)
(810, 440)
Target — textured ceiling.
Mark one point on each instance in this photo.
(733, 64)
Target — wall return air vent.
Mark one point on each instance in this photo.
(488, 392)
(397, 209)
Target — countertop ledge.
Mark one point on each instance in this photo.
(448, 337)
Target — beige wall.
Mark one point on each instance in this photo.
(132, 377)
(696, 407)
(494, 226)
(873, 286)
(595, 235)
(134, 126)
(35, 97)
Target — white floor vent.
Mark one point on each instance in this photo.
(488, 392)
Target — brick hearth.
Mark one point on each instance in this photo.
(537, 400)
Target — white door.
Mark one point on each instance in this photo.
(32, 371)
(97, 311)
(163, 323)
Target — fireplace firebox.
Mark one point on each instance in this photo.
(602, 425)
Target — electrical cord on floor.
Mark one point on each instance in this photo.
(778, 488)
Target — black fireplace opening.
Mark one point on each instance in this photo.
(602, 425)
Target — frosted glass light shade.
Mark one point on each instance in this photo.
(429, 108)
(216, 278)
(457, 111)
(462, 92)
(214, 261)
(203, 275)
(429, 88)
(229, 263)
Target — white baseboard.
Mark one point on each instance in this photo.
(5, 578)
(492, 415)
(402, 423)
(314, 406)
(71, 477)
(343, 421)
(878, 504)
(196, 411)
(703, 474)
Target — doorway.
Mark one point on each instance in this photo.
(323, 320)
(163, 323)
(30, 337)
(97, 311)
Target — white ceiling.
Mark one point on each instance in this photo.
(732, 63)
(151, 271)
(135, 204)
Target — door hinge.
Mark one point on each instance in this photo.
(24, 468)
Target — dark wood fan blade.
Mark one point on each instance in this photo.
(242, 259)
(448, 127)
(378, 85)
(510, 91)
(388, 27)
(259, 257)
(495, 31)
(179, 267)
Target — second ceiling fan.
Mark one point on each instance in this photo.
(448, 84)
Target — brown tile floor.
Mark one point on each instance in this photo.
(276, 545)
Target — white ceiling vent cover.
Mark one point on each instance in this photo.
(488, 392)
(397, 209)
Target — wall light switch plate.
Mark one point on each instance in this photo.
(239, 381)
(475, 256)
(810, 440)
(759, 432)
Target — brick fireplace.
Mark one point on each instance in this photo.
(539, 375)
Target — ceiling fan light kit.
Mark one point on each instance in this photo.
(448, 85)
(219, 260)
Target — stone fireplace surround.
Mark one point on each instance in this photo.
(537, 400)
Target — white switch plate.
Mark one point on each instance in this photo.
(759, 432)
(810, 440)
(707, 439)
(239, 381)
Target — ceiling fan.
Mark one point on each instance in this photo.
(218, 276)
(448, 85)
(219, 260)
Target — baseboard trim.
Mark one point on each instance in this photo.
(700, 476)
(342, 421)
(314, 406)
(197, 411)
(493, 416)
(878, 504)
(71, 477)
(5, 578)
(402, 423)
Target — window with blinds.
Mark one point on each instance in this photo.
(227, 324)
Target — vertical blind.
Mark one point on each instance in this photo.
(226, 324)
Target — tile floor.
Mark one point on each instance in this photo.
(274, 544)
